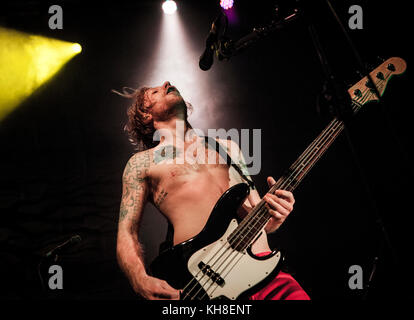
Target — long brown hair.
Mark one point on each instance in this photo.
(140, 132)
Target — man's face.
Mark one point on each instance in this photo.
(164, 100)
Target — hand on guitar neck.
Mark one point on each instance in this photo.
(279, 205)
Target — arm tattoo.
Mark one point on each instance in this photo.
(133, 183)
(122, 213)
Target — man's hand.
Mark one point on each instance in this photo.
(280, 205)
(155, 289)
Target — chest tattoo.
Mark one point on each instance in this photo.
(161, 197)
(169, 152)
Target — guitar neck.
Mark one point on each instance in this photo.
(253, 223)
(360, 93)
(300, 168)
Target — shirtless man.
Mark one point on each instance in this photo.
(185, 193)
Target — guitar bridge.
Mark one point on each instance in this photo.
(214, 276)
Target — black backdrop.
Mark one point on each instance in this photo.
(63, 149)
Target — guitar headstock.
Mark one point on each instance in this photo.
(362, 92)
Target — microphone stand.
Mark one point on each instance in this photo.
(227, 48)
(340, 103)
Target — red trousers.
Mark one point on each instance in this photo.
(282, 287)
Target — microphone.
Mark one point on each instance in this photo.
(206, 59)
(72, 240)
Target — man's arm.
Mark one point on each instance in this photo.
(129, 251)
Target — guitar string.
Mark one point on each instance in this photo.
(317, 155)
(303, 157)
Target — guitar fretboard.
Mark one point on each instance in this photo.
(254, 222)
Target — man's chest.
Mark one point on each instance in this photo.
(174, 176)
(187, 168)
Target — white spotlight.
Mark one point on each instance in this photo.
(169, 6)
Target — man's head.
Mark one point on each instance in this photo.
(163, 103)
(151, 107)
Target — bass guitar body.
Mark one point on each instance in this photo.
(209, 265)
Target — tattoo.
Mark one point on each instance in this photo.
(164, 153)
(122, 213)
(161, 197)
(133, 181)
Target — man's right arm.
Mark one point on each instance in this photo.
(129, 250)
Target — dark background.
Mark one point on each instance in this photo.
(63, 150)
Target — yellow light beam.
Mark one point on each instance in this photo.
(26, 62)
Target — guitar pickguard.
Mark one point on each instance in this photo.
(223, 271)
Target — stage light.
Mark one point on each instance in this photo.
(77, 48)
(169, 6)
(26, 62)
(226, 4)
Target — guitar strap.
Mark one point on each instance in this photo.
(217, 146)
(168, 243)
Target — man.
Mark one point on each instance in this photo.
(184, 191)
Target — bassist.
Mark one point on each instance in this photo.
(185, 193)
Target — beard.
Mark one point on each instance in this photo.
(175, 107)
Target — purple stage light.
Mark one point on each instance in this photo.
(226, 4)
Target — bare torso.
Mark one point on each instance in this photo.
(186, 192)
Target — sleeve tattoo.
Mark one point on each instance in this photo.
(134, 188)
